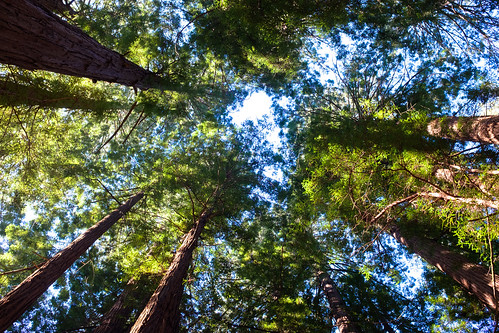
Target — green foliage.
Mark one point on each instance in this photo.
(259, 278)
(357, 148)
(262, 39)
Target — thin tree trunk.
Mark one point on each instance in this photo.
(483, 129)
(18, 300)
(35, 38)
(115, 320)
(162, 313)
(471, 276)
(344, 322)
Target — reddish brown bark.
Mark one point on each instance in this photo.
(479, 129)
(344, 322)
(471, 276)
(162, 313)
(35, 38)
(13, 305)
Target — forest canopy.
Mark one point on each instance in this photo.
(131, 202)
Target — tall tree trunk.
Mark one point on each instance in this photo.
(35, 38)
(479, 129)
(115, 320)
(162, 313)
(471, 276)
(344, 322)
(18, 300)
(16, 94)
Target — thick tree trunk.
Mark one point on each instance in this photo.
(13, 305)
(162, 313)
(479, 129)
(35, 38)
(471, 276)
(344, 323)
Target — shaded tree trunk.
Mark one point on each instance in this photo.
(114, 321)
(16, 94)
(35, 38)
(343, 320)
(162, 313)
(483, 129)
(13, 305)
(473, 277)
(134, 296)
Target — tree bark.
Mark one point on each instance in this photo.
(162, 313)
(483, 129)
(468, 201)
(115, 320)
(471, 276)
(16, 94)
(35, 38)
(344, 322)
(18, 300)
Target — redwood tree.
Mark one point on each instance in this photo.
(17, 94)
(210, 179)
(13, 305)
(473, 277)
(134, 296)
(344, 322)
(35, 38)
(162, 313)
(483, 129)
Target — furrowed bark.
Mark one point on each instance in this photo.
(483, 129)
(162, 313)
(35, 38)
(13, 305)
(473, 277)
(344, 322)
(115, 320)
